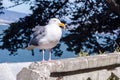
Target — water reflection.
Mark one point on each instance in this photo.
(23, 55)
(97, 41)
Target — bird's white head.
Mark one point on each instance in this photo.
(57, 22)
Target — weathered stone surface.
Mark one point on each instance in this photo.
(116, 71)
(103, 74)
(28, 74)
(98, 67)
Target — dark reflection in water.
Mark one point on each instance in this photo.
(23, 55)
(97, 29)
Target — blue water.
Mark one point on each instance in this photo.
(26, 56)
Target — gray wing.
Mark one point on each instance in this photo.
(39, 32)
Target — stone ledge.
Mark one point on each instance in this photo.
(76, 65)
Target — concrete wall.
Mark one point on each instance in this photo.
(97, 67)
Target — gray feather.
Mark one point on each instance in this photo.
(39, 32)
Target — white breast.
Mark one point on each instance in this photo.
(52, 37)
(53, 33)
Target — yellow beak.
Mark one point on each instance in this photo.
(62, 25)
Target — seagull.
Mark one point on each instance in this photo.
(46, 37)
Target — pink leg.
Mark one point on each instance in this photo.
(50, 55)
(43, 60)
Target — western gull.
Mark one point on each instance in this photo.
(46, 37)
